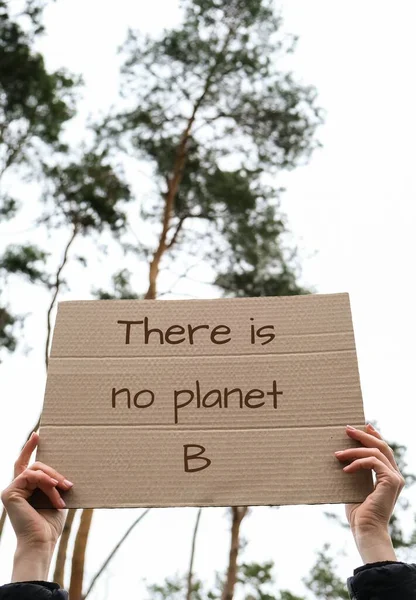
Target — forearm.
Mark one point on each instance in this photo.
(375, 547)
(31, 564)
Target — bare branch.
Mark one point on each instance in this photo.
(191, 562)
(113, 552)
(176, 179)
(177, 232)
(57, 286)
(184, 275)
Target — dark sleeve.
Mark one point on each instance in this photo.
(383, 581)
(32, 590)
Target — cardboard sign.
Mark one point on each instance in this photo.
(203, 402)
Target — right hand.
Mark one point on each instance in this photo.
(42, 527)
(375, 512)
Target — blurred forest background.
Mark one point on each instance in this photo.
(209, 118)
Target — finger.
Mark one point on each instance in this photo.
(371, 441)
(389, 453)
(370, 429)
(24, 457)
(29, 480)
(392, 480)
(354, 453)
(62, 482)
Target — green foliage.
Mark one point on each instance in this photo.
(323, 581)
(174, 589)
(34, 104)
(255, 582)
(207, 106)
(7, 322)
(285, 595)
(400, 538)
(254, 578)
(8, 207)
(34, 10)
(257, 265)
(27, 260)
(121, 288)
(86, 194)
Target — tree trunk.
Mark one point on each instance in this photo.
(173, 185)
(238, 514)
(2, 521)
(78, 558)
(59, 573)
(191, 562)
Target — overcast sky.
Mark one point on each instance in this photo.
(351, 212)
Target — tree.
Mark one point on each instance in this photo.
(34, 105)
(85, 197)
(255, 581)
(26, 261)
(80, 198)
(323, 581)
(214, 123)
(207, 108)
(194, 114)
(121, 288)
(83, 194)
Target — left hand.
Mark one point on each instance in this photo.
(35, 528)
(374, 514)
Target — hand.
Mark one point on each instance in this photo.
(35, 528)
(369, 520)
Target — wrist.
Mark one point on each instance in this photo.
(375, 546)
(31, 563)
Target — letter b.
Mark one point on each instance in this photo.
(188, 457)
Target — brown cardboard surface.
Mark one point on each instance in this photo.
(121, 411)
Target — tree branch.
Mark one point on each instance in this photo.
(177, 232)
(13, 152)
(176, 179)
(184, 275)
(2, 520)
(57, 286)
(59, 568)
(113, 552)
(191, 562)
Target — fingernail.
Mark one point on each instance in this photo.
(68, 483)
(61, 503)
(370, 426)
(54, 481)
(351, 428)
(339, 452)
